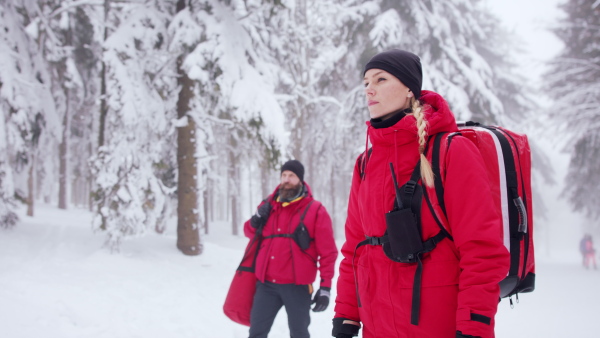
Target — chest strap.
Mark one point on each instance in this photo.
(301, 222)
(428, 245)
(280, 235)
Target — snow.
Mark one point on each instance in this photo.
(57, 281)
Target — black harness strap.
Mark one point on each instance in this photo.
(280, 235)
(305, 211)
(404, 199)
(301, 221)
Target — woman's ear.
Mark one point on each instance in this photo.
(410, 94)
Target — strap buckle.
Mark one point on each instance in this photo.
(376, 240)
(409, 187)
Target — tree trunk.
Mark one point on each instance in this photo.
(63, 147)
(333, 211)
(30, 197)
(103, 104)
(62, 153)
(205, 204)
(188, 235)
(234, 187)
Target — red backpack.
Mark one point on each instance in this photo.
(507, 157)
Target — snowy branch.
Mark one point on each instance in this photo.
(71, 5)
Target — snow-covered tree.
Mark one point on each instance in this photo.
(27, 105)
(83, 135)
(128, 196)
(311, 44)
(574, 81)
(233, 84)
(463, 52)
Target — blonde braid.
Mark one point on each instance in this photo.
(426, 172)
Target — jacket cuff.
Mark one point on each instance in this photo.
(325, 283)
(346, 329)
(473, 324)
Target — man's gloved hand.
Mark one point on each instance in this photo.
(461, 335)
(259, 219)
(341, 330)
(321, 299)
(344, 335)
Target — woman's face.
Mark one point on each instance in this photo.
(385, 94)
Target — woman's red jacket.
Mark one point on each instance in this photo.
(460, 276)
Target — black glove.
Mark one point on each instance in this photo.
(343, 335)
(461, 335)
(259, 219)
(321, 299)
(341, 330)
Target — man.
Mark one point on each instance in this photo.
(298, 240)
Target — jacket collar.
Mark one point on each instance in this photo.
(305, 198)
(437, 113)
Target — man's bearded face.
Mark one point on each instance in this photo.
(290, 185)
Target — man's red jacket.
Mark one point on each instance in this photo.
(460, 277)
(280, 260)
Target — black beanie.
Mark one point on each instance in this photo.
(404, 65)
(294, 166)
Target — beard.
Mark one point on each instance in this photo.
(288, 191)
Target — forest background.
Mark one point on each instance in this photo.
(153, 113)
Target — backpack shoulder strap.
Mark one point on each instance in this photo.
(438, 184)
(436, 167)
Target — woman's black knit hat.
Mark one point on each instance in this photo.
(404, 65)
(294, 166)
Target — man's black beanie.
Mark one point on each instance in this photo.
(404, 65)
(294, 166)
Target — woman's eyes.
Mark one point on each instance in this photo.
(378, 80)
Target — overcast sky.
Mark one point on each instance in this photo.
(530, 20)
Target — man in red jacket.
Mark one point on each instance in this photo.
(298, 241)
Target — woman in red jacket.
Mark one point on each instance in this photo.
(458, 292)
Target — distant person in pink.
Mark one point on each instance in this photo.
(586, 246)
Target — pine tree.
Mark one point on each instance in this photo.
(83, 136)
(27, 106)
(235, 78)
(574, 81)
(128, 195)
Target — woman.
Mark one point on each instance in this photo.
(459, 289)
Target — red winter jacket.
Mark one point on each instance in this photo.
(460, 277)
(280, 260)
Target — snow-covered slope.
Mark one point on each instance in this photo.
(57, 282)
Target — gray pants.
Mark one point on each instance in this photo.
(268, 300)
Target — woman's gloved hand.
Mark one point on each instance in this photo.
(344, 330)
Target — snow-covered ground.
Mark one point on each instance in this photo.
(57, 282)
